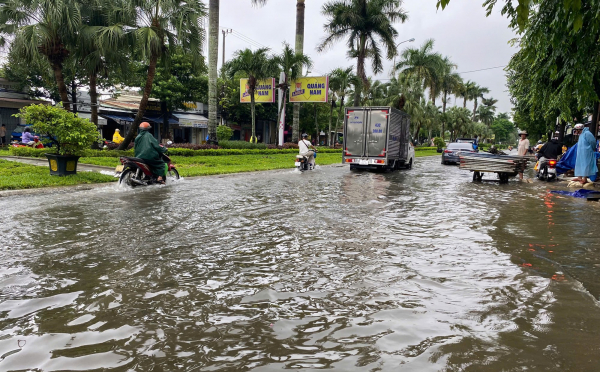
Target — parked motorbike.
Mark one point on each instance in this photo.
(135, 172)
(302, 163)
(546, 170)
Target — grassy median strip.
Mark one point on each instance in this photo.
(15, 175)
(190, 166)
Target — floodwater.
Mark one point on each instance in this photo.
(417, 270)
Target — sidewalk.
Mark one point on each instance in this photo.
(44, 163)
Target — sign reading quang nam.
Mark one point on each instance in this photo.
(310, 89)
(263, 93)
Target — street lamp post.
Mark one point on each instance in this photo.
(402, 42)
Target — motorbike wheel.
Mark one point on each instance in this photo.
(544, 174)
(126, 177)
(173, 174)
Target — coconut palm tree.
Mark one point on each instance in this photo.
(432, 117)
(291, 64)
(299, 47)
(42, 27)
(256, 66)
(340, 80)
(368, 26)
(476, 93)
(485, 114)
(450, 82)
(489, 102)
(161, 27)
(213, 59)
(426, 65)
(405, 93)
(467, 91)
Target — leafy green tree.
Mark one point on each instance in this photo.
(255, 65)
(502, 128)
(368, 26)
(178, 80)
(42, 27)
(224, 133)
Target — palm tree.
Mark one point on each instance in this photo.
(46, 27)
(426, 65)
(368, 25)
(340, 81)
(291, 64)
(459, 121)
(450, 82)
(476, 93)
(256, 66)
(485, 114)
(161, 27)
(405, 93)
(299, 47)
(431, 119)
(213, 59)
(468, 91)
(489, 102)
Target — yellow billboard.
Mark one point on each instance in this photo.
(263, 93)
(310, 89)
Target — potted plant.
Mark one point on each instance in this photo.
(439, 143)
(69, 134)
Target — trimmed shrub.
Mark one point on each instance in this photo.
(192, 146)
(290, 145)
(241, 145)
(224, 133)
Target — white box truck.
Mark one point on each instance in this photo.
(377, 138)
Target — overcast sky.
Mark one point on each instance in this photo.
(461, 32)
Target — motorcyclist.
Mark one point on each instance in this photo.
(304, 146)
(550, 150)
(147, 148)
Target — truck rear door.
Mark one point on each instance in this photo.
(355, 132)
(377, 127)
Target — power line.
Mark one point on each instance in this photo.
(483, 69)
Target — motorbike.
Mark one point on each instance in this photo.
(546, 170)
(302, 163)
(135, 172)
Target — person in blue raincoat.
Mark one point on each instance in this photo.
(585, 163)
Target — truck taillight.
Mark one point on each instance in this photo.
(346, 152)
(349, 160)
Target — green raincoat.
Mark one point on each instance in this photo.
(147, 148)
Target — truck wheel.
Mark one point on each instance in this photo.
(410, 164)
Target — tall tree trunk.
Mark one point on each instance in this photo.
(330, 117)
(337, 120)
(474, 108)
(465, 102)
(94, 97)
(316, 126)
(213, 58)
(561, 130)
(62, 88)
(143, 103)
(360, 71)
(74, 96)
(299, 48)
(444, 102)
(165, 124)
(252, 109)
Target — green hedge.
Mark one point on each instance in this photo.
(39, 153)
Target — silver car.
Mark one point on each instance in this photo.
(451, 153)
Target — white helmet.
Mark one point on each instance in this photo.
(578, 126)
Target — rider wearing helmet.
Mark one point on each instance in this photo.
(148, 149)
(304, 145)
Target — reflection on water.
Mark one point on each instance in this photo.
(418, 270)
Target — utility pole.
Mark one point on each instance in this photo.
(225, 32)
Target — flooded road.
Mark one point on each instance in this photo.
(417, 270)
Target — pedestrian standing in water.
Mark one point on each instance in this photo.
(523, 147)
(2, 135)
(585, 163)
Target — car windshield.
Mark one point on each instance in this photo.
(460, 146)
(18, 130)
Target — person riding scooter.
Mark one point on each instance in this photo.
(304, 146)
(550, 150)
(147, 148)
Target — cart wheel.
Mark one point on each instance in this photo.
(475, 176)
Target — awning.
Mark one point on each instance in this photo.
(123, 120)
(85, 115)
(192, 120)
(159, 119)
